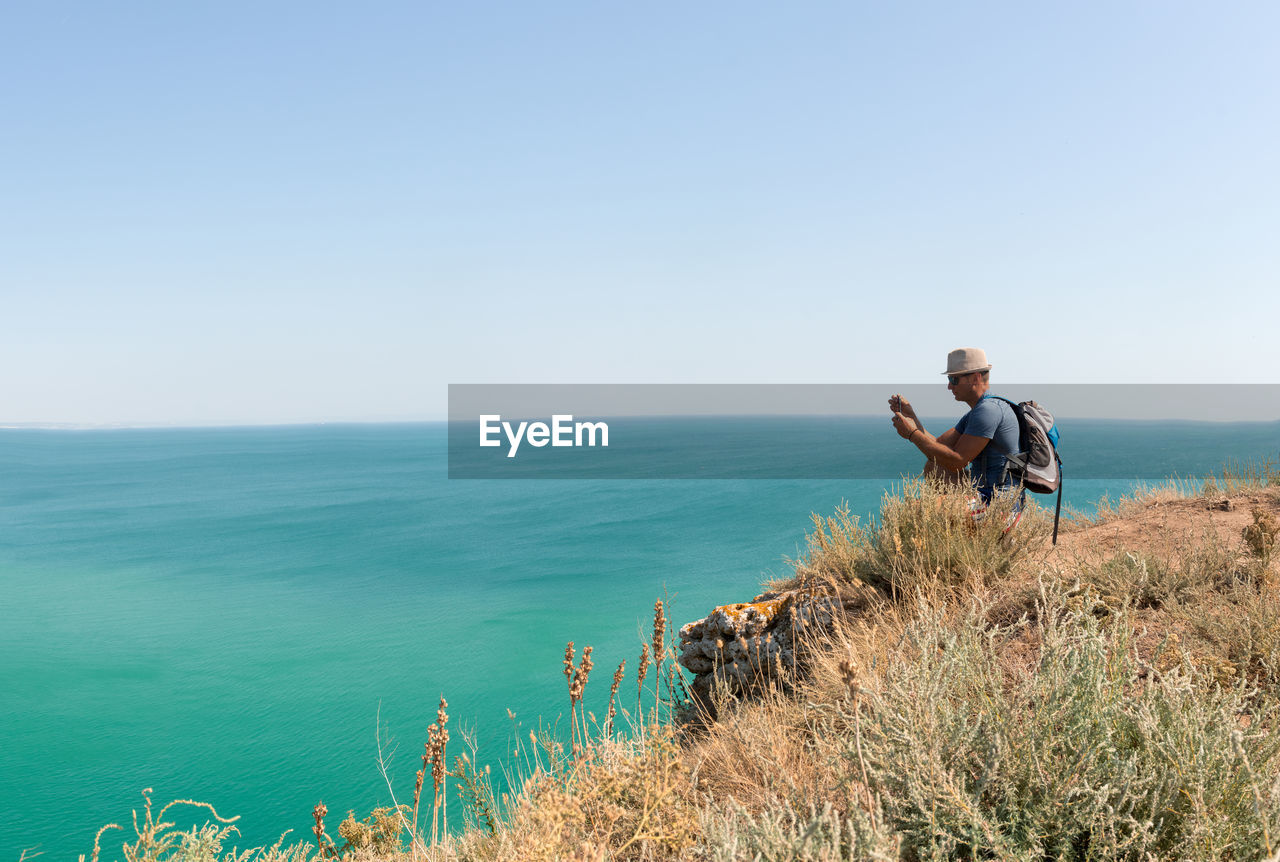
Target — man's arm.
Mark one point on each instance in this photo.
(951, 450)
(932, 469)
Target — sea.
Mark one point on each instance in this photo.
(264, 618)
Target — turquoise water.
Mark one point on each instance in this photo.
(225, 614)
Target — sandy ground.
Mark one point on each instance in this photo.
(1165, 524)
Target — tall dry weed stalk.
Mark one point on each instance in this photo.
(613, 694)
(434, 758)
(418, 780)
(437, 743)
(577, 679)
(659, 652)
(325, 846)
(641, 674)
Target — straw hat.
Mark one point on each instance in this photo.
(966, 360)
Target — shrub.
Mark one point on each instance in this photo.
(1260, 536)
(1092, 755)
(626, 796)
(159, 840)
(1242, 624)
(380, 832)
(1183, 572)
(925, 538)
(827, 834)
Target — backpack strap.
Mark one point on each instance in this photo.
(1022, 434)
(1057, 510)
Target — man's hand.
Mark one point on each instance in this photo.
(898, 404)
(905, 425)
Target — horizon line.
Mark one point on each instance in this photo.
(313, 423)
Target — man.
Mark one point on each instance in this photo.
(982, 438)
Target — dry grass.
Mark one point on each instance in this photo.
(1089, 756)
(921, 739)
(925, 539)
(974, 701)
(1141, 497)
(771, 757)
(1237, 477)
(1233, 479)
(1177, 573)
(1220, 607)
(629, 797)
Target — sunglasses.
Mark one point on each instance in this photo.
(954, 379)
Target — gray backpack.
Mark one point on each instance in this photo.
(1036, 464)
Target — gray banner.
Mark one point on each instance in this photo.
(817, 431)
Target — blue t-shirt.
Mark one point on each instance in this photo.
(995, 420)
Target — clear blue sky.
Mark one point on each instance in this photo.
(273, 212)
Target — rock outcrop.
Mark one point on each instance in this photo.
(747, 645)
